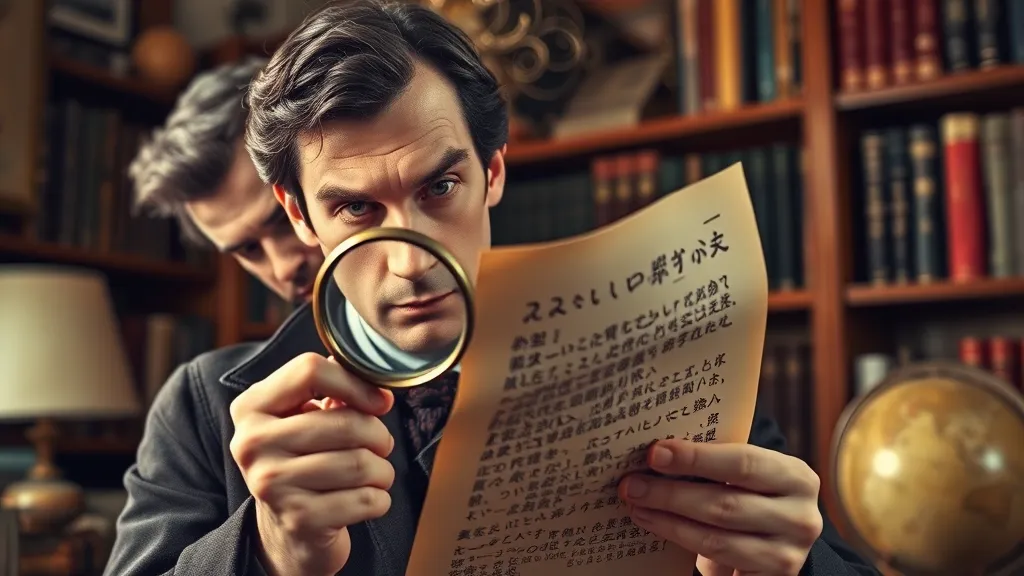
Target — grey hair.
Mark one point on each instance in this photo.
(190, 155)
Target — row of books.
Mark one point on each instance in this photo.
(1002, 355)
(944, 201)
(785, 392)
(892, 42)
(731, 52)
(564, 204)
(85, 196)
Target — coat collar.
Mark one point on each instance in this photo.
(297, 335)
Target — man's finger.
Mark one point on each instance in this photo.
(718, 505)
(743, 465)
(332, 471)
(745, 552)
(309, 377)
(328, 430)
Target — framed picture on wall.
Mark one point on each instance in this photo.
(22, 28)
(105, 21)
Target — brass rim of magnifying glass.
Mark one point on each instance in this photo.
(322, 320)
(900, 376)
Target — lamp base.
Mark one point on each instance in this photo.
(43, 506)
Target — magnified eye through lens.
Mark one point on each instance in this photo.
(394, 307)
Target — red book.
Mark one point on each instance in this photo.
(901, 37)
(926, 39)
(1003, 359)
(972, 352)
(877, 15)
(851, 45)
(706, 54)
(965, 201)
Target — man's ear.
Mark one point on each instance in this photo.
(496, 177)
(291, 208)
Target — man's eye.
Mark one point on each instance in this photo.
(356, 208)
(441, 187)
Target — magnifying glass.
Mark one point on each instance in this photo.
(393, 307)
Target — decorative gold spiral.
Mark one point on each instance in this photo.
(522, 40)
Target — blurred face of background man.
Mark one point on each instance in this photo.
(196, 169)
(410, 133)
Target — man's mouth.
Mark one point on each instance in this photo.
(424, 302)
(303, 294)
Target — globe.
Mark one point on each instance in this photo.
(928, 472)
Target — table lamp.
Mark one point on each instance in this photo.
(61, 358)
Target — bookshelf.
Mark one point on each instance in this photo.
(842, 314)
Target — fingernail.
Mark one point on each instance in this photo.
(661, 457)
(636, 487)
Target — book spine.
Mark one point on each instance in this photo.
(995, 141)
(761, 197)
(876, 43)
(783, 55)
(964, 198)
(795, 42)
(1003, 359)
(851, 55)
(927, 61)
(955, 28)
(691, 57)
(767, 89)
(924, 165)
(706, 54)
(603, 172)
(625, 185)
(1017, 136)
(1015, 26)
(971, 351)
(898, 177)
(873, 149)
(902, 41)
(728, 54)
(787, 216)
(987, 15)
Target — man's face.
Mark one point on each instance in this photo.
(412, 167)
(242, 218)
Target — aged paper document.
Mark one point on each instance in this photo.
(587, 350)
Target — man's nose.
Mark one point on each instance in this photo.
(407, 260)
(284, 264)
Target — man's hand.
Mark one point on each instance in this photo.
(314, 468)
(759, 516)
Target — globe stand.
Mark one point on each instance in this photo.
(928, 472)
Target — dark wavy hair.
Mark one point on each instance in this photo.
(350, 60)
(190, 155)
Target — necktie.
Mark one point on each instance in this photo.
(429, 406)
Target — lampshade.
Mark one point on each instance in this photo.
(61, 353)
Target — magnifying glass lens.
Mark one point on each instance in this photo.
(394, 307)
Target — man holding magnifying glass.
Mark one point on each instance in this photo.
(375, 115)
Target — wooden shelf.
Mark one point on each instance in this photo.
(949, 90)
(20, 250)
(866, 295)
(100, 77)
(653, 131)
(789, 301)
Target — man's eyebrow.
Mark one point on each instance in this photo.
(450, 158)
(276, 215)
(332, 193)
